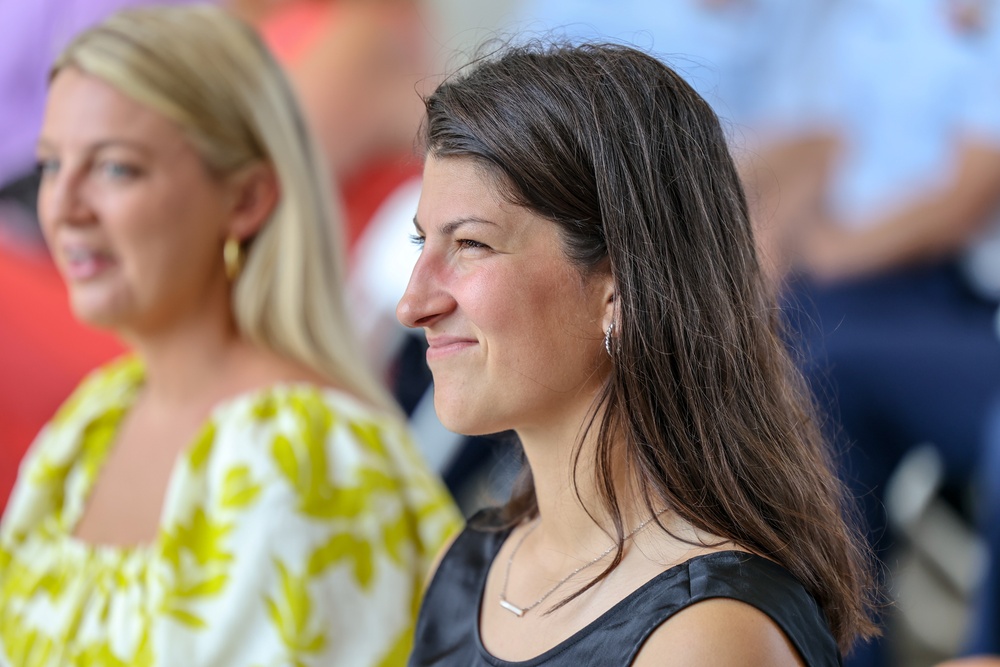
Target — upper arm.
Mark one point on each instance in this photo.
(324, 527)
(718, 632)
(975, 191)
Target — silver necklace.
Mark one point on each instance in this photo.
(521, 611)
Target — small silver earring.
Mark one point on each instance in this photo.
(607, 339)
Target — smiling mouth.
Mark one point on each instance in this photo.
(445, 347)
(83, 264)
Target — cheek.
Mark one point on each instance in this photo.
(502, 304)
(46, 212)
(170, 231)
(535, 321)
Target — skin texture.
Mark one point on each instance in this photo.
(692, 638)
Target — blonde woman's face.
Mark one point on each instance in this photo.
(132, 217)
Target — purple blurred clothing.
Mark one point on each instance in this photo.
(32, 33)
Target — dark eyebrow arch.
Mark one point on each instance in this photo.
(449, 228)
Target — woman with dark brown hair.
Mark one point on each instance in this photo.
(588, 280)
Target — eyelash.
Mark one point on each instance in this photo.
(112, 168)
(47, 166)
(419, 241)
(117, 170)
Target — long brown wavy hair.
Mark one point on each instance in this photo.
(704, 404)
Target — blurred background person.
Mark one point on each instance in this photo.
(44, 351)
(894, 281)
(984, 633)
(356, 65)
(240, 489)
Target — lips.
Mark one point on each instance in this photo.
(444, 345)
(82, 262)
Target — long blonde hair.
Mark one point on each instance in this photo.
(210, 74)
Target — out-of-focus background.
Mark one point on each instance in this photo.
(868, 132)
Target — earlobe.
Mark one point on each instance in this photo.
(257, 194)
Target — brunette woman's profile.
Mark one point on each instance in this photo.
(588, 280)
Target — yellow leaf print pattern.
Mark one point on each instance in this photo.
(345, 547)
(30, 647)
(288, 501)
(197, 549)
(400, 650)
(100, 654)
(202, 447)
(199, 558)
(318, 497)
(239, 489)
(291, 615)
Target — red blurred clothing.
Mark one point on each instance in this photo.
(44, 352)
(293, 31)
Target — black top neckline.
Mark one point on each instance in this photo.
(614, 610)
(448, 632)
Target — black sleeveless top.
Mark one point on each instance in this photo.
(447, 633)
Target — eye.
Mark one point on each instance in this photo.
(469, 243)
(417, 240)
(47, 166)
(117, 171)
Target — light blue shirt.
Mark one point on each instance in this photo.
(902, 90)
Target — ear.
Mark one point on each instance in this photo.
(609, 291)
(255, 192)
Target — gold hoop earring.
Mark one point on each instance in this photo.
(232, 257)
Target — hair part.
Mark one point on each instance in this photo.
(703, 403)
(209, 73)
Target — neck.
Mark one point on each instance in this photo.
(572, 513)
(197, 355)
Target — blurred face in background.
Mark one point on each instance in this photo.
(134, 220)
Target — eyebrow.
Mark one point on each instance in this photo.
(44, 144)
(449, 228)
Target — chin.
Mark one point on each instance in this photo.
(460, 417)
(99, 316)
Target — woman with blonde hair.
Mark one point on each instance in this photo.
(240, 491)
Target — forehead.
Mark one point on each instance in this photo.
(458, 188)
(83, 109)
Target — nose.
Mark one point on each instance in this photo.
(62, 200)
(426, 299)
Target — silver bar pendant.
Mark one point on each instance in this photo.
(512, 608)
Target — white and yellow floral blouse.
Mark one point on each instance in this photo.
(296, 530)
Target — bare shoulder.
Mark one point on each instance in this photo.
(977, 661)
(718, 632)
